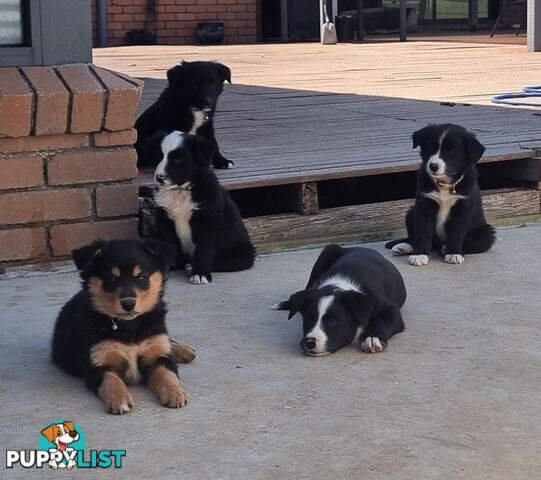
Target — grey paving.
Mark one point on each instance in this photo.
(456, 396)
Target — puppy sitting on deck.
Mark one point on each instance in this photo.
(113, 331)
(352, 293)
(195, 212)
(448, 213)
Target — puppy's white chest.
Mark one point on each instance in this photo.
(199, 119)
(445, 200)
(180, 208)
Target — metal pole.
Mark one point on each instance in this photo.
(534, 26)
(403, 21)
(102, 23)
(473, 14)
(360, 23)
(283, 20)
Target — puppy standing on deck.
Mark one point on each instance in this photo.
(187, 104)
(448, 212)
(352, 293)
(113, 331)
(195, 212)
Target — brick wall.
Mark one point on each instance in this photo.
(67, 161)
(176, 20)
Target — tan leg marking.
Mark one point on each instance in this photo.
(152, 348)
(182, 352)
(115, 394)
(166, 385)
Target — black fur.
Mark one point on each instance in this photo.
(465, 229)
(191, 85)
(374, 306)
(83, 324)
(221, 240)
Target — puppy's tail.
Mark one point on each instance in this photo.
(392, 243)
(480, 240)
(281, 306)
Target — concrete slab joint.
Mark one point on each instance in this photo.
(66, 159)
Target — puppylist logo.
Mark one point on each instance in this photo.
(62, 444)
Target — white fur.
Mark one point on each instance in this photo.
(169, 143)
(199, 119)
(417, 260)
(317, 333)
(436, 160)
(341, 282)
(454, 258)
(401, 249)
(371, 345)
(199, 280)
(445, 200)
(180, 207)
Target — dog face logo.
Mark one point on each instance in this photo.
(61, 434)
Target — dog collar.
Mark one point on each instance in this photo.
(451, 187)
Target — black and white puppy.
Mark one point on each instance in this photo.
(448, 213)
(187, 104)
(196, 213)
(352, 293)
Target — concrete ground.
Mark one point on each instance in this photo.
(456, 396)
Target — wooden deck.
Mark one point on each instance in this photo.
(298, 115)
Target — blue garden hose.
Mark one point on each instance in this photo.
(528, 93)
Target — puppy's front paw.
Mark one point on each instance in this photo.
(189, 268)
(372, 345)
(417, 260)
(401, 249)
(201, 278)
(221, 163)
(183, 353)
(173, 396)
(454, 258)
(119, 403)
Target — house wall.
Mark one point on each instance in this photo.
(176, 20)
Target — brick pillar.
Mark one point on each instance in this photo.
(67, 164)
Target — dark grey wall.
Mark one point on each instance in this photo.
(60, 32)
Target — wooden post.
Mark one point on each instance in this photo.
(534, 25)
(473, 14)
(306, 199)
(360, 23)
(283, 20)
(403, 21)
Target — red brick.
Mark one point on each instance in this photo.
(123, 17)
(122, 100)
(44, 206)
(22, 243)
(64, 238)
(21, 172)
(52, 98)
(15, 104)
(110, 139)
(87, 98)
(43, 143)
(92, 166)
(116, 200)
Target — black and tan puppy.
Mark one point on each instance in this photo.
(448, 212)
(188, 104)
(113, 331)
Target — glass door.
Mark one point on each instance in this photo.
(11, 22)
(434, 10)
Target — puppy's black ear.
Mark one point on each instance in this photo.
(298, 300)
(150, 152)
(177, 74)
(359, 304)
(84, 256)
(420, 137)
(224, 72)
(164, 253)
(474, 148)
(204, 150)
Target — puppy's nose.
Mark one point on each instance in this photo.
(310, 343)
(73, 434)
(433, 167)
(128, 303)
(160, 177)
